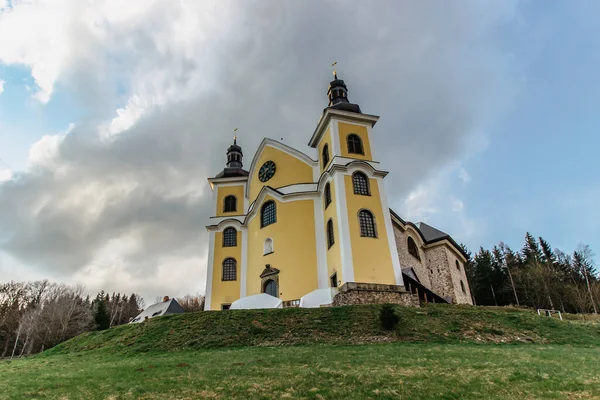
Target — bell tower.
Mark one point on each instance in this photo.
(227, 235)
(360, 242)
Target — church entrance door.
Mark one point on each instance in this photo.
(271, 288)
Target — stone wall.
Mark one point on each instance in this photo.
(441, 280)
(374, 293)
(409, 261)
(458, 275)
(436, 269)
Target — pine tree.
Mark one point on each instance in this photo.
(531, 251)
(101, 316)
(484, 289)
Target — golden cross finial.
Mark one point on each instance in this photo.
(234, 134)
(334, 69)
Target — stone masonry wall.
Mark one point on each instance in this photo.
(407, 260)
(373, 293)
(458, 275)
(437, 268)
(441, 280)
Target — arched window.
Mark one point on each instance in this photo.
(354, 144)
(330, 236)
(229, 269)
(360, 182)
(367, 224)
(457, 265)
(230, 204)
(268, 246)
(412, 248)
(327, 195)
(325, 155)
(462, 286)
(268, 214)
(229, 237)
(271, 288)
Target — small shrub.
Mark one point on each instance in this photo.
(388, 317)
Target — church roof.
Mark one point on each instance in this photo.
(411, 273)
(231, 172)
(347, 107)
(430, 233)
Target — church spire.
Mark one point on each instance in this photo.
(234, 155)
(337, 93)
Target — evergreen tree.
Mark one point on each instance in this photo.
(531, 251)
(101, 316)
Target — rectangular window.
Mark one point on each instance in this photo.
(333, 280)
(225, 306)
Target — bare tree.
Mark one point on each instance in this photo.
(191, 303)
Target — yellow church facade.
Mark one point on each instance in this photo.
(291, 225)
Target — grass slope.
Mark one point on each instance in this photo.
(336, 325)
(374, 371)
(456, 352)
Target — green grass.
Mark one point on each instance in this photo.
(336, 325)
(437, 352)
(376, 371)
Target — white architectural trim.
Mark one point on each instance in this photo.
(320, 238)
(345, 116)
(390, 233)
(209, 271)
(229, 184)
(279, 146)
(369, 138)
(335, 140)
(220, 223)
(232, 181)
(298, 188)
(244, 268)
(343, 228)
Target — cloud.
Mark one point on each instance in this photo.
(463, 175)
(2, 86)
(437, 201)
(120, 200)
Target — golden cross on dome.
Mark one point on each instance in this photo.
(235, 135)
(334, 69)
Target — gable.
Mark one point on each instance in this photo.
(292, 167)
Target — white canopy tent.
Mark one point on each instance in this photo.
(318, 298)
(256, 301)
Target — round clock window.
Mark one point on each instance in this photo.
(266, 172)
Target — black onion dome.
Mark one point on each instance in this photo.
(234, 164)
(337, 93)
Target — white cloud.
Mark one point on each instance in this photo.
(121, 200)
(2, 86)
(436, 201)
(5, 173)
(463, 175)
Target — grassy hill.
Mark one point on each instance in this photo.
(336, 325)
(442, 352)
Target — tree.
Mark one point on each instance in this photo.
(101, 317)
(191, 303)
(583, 261)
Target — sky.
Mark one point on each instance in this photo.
(113, 114)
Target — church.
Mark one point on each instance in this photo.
(314, 233)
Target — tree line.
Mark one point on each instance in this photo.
(38, 315)
(35, 316)
(537, 276)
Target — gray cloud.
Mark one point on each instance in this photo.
(137, 203)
